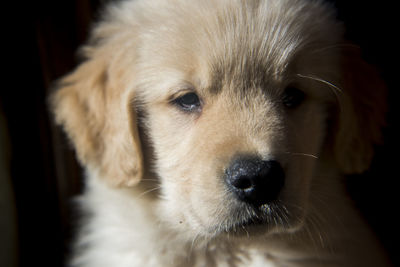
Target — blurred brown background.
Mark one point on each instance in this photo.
(38, 171)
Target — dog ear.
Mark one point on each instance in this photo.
(98, 116)
(361, 114)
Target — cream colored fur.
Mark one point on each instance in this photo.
(155, 194)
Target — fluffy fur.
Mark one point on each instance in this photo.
(155, 193)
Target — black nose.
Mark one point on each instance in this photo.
(255, 181)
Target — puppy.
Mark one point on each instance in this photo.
(217, 133)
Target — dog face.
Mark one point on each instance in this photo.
(236, 102)
(212, 148)
(230, 118)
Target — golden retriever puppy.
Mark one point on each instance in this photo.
(217, 133)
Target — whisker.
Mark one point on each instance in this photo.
(197, 235)
(331, 85)
(334, 89)
(337, 46)
(302, 154)
(151, 180)
(148, 191)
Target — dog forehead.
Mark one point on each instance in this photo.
(251, 42)
(247, 44)
(242, 74)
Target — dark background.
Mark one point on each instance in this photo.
(41, 39)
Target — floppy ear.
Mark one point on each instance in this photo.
(99, 119)
(361, 114)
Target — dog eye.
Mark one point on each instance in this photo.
(292, 97)
(188, 102)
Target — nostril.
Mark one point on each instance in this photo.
(242, 182)
(255, 181)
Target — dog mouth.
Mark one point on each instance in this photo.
(254, 185)
(251, 220)
(273, 213)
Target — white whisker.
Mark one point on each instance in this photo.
(195, 238)
(150, 180)
(334, 89)
(322, 81)
(337, 46)
(302, 154)
(148, 191)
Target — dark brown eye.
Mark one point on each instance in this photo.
(293, 97)
(188, 102)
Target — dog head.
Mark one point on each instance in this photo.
(240, 100)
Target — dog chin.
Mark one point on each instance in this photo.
(249, 221)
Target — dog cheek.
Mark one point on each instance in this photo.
(303, 154)
(174, 164)
(193, 189)
(201, 187)
(191, 199)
